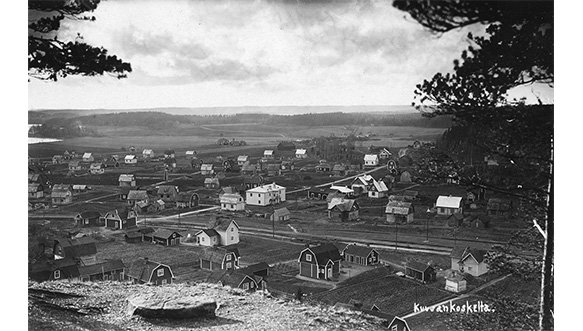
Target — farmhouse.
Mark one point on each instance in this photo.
(207, 169)
(347, 210)
(301, 153)
(499, 207)
(268, 154)
(252, 182)
(75, 166)
(208, 237)
(378, 190)
(455, 282)
(242, 160)
(126, 180)
(82, 250)
(144, 271)
(281, 214)
(448, 205)
(135, 196)
(121, 219)
(147, 154)
(384, 154)
(35, 191)
(97, 168)
(211, 183)
(167, 192)
(320, 262)
(130, 159)
(89, 219)
(419, 271)
(87, 157)
(371, 160)
(232, 201)
(265, 195)
(236, 279)
(228, 232)
(399, 211)
(187, 200)
(61, 194)
(163, 237)
(220, 258)
(469, 260)
(169, 153)
(323, 167)
(361, 255)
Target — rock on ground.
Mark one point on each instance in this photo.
(169, 306)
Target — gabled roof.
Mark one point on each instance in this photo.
(300, 151)
(231, 198)
(242, 158)
(34, 187)
(346, 205)
(341, 189)
(86, 155)
(217, 254)
(252, 268)
(418, 266)
(147, 151)
(268, 152)
(461, 253)
(76, 248)
(126, 177)
(281, 212)
(380, 186)
(499, 204)
(60, 191)
(206, 166)
(224, 225)
(208, 232)
(96, 166)
(167, 189)
(448, 202)
(324, 253)
(96, 269)
(371, 157)
(266, 188)
(142, 269)
(358, 250)
(89, 214)
(339, 167)
(129, 157)
(190, 152)
(165, 233)
(137, 195)
(232, 278)
(229, 190)
(398, 207)
(185, 196)
(213, 180)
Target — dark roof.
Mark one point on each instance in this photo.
(230, 278)
(185, 196)
(75, 248)
(325, 252)
(347, 205)
(137, 195)
(499, 204)
(281, 212)
(223, 225)
(142, 269)
(255, 267)
(164, 233)
(89, 214)
(217, 254)
(418, 266)
(358, 250)
(98, 268)
(144, 230)
(133, 234)
(167, 189)
(461, 253)
(210, 232)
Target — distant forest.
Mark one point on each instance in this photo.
(70, 126)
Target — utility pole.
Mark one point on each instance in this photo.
(396, 230)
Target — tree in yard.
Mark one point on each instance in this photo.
(517, 50)
(50, 57)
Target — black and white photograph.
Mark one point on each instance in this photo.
(290, 165)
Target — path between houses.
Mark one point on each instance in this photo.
(463, 296)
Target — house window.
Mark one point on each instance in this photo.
(228, 265)
(309, 257)
(163, 281)
(202, 239)
(160, 272)
(232, 238)
(228, 257)
(252, 285)
(395, 328)
(232, 229)
(57, 274)
(245, 286)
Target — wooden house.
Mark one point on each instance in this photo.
(273, 169)
(447, 205)
(348, 210)
(419, 271)
(212, 183)
(228, 232)
(405, 177)
(130, 159)
(126, 180)
(54, 270)
(318, 193)
(477, 221)
(320, 262)
(89, 219)
(187, 200)
(136, 196)
(242, 160)
(323, 167)
(121, 219)
(252, 182)
(455, 220)
(167, 193)
(301, 153)
(107, 270)
(378, 190)
(265, 195)
(80, 188)
(392, 165)
(111, 163)
(399, 211)
(208, 237)
(82, 250)
(35, 191)
(268, 154)
(398, 324)
(281, 215)
(97, 168)
(371, 160)
(339, 170)
(232, 202)
(235, 279)
(75, 166)
(455, 282)
(88, 157)
(257, 269)
(207, 169)
(499, 207)
(147, 154)
(61, 194)
(362, 184)
(163, 237)
(384, 154)
(169, 153)
(286, 146)
(220, 258)
(144, 271)
(362, 255)
(469, 260)
(133, 237)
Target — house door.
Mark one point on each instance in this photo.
(172, 242)
(330, 273)
(117, 225)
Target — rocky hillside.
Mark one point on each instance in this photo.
(103, 306)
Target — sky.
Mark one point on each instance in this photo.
(253, 53)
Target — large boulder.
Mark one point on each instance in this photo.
(167, 306)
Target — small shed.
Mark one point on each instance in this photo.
(419, 271)
(211, 183)
(281, 214)
(455, 282)
(399, 211)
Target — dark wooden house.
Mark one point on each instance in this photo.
(361, 255)
(121, 219)
(419, 271)
(186, 200)
(82, 250)
(163, 237)
(220, 258)
(89, 219)
(144, 271)
(320, 262)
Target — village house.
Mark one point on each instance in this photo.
(97, 168)
(167, 193)
(111, 163)
(469, 260)
(232, 202)
(144, 271)
(82, 250)
(455, 282)
(207, 169)
(228, 232)
(378, 190)
(169, 153)
(229, 190)
(190, 154)
(384, 154)
(499, 207)
(252, 182)
(208, 237)
(170, 163)
(477, 221)
(268, 154)
(186, 200)
(236, 279)
(130, 159)
(318, 193)
(220, 258)
(70, 270)
(419, 271)
(163, 237)
(107, 270)
(136, 235)
(121, 219)
(455, 220)
(399, 211)
(281, 215)
(35, 191)
(126, 180)
(61, 194)
(301, 153)
(447, 205)
(147, 154)
(286, 146)
(80, 188)
(320, 262)
(362, 255)
(346, 210)
(392, 165)
(339, 170)
(265, 195)
(323, 167)
(371, 160)
(58, 159)
(342, 190)
(75, 166)
(398, 324)
(242, 160)
(136, 196)
(88, 157)
(89, 219)
(362, 184)
(212, 183)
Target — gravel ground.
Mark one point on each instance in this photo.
(102, 306)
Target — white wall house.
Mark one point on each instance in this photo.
(301, 153)
(448, 205)
(265, 195)
(371, 160)
(130, 159)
